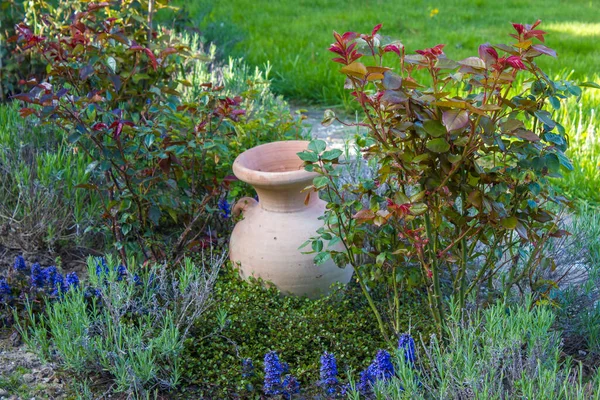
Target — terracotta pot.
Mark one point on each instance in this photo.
(265, 243)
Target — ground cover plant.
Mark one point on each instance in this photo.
(259, 320)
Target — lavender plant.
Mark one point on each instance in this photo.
(503, 352)
(131, 324)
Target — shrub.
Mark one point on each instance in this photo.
(14, 66)
(130, 325)
(267, 116)
(40, 208)
(258, 320)
(117, 99)
(502, 352)
(461, 192)
(163, 156)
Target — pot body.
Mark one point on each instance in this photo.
(265, 244)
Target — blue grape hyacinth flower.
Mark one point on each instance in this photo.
(49, 274)
(137, 280)
(384, 368)
(59, 284)
(381, 369)
(290, 386)
(121, 272)
(101, 267)
(225, 208)
(273, 372)
(328, 373)
(37, 277)
(407, 345)
(72, 280)
(19, 264)
(366, 380)
(4, 290)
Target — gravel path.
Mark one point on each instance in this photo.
(335, 134)
(24, 376)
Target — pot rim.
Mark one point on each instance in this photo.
(256, 177)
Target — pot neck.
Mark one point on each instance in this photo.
(286, 199)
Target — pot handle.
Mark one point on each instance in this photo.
(243, 204)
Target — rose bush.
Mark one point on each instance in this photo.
(463, 151)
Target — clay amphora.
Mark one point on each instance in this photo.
(266, 242)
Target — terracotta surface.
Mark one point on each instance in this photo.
(265, 243)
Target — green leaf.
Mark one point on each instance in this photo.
(318, 146)
(380, 259)
(554, 138)
(320, 181)
(454, 158)
(112, 64)
(575, 90)
(545, 117)
(331, 155)
(417, 196)
(126, 228)
(439, 145)
(590, 84)
(308, 156)
(154, 214)
(552, 162)
(510, 222)
(317, 246)
(91, 167)
(555, 102)
(303, 245)
(434, 128)
(418, 208)
(334, 241)
(149, 139)
(321, 258)
(565, 162)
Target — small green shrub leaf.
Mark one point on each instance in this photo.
(434, 128)
(318, 146)
(439, 145)
(331, 155)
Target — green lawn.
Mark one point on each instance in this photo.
(293, 35)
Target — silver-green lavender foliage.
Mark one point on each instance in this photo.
(579, 300)
(132, 327)
(504, 352)
(39, 203)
